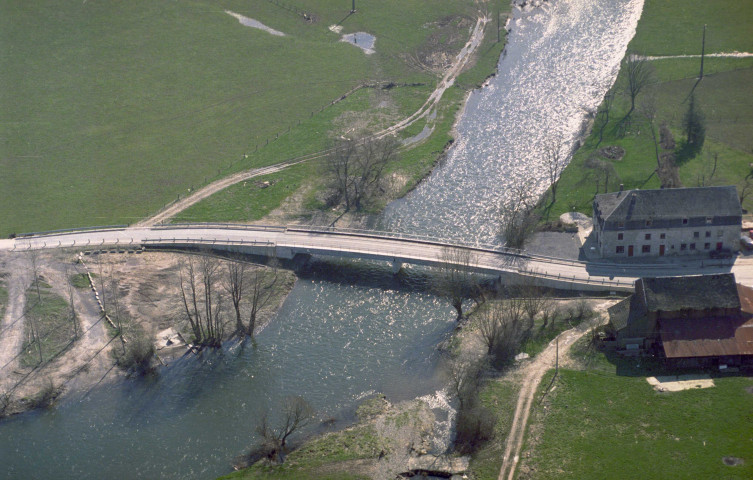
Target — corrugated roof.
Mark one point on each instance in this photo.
(670, 203)
(707, 337)
(698, 292)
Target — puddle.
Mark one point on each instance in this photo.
(362, 40)
(421, 135)
(250, 22)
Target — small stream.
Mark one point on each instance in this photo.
(346, 331)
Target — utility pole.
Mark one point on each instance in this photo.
(703, 49)
(497, 23)
(557, 357)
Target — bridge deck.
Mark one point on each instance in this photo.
(288, 241)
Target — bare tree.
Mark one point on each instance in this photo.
(262, 283)
(74, 321)
(234, 285)
(465, 378)
(638, 73)
(647, 108)
(602, 116)
(502, 329)
(706, 174)
(601, 171)
(34, 270)
(202, 302)
(455, 280)
(554, 161)
(534, 302)
(518, 216)
(356, 169)
(746, 188)
(296, 414)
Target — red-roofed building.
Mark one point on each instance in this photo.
(696, 320)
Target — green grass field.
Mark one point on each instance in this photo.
(111, 110)
(500, 396)
(724, 95)
(51, 316)
(599, 423)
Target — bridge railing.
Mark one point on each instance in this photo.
(226, 226)
(64, 231)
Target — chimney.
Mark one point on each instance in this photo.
(622, 187)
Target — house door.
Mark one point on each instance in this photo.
(719, 245)
(661, 250)
(630, 250)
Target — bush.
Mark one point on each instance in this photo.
(46, 397)
(138, 354)
(475, 426)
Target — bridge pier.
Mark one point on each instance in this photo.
(396, 266)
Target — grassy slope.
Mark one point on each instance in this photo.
(596, 423)
(672, 28)
(51, 316)
(248, 203)
(112, 110)
(500, 397)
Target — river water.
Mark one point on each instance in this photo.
(345, 331)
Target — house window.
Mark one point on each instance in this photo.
(683, 246)
(663, 236)
(719, 233)
(620, 236)
(648, 236)
(620, 249)
(708, 233)
(706, 246)
(646, 249)
(696, 234)
(620, 224)
(692, 246)
(648, 223)
(684, 221)
(709, 220)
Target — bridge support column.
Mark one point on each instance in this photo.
(396, 266)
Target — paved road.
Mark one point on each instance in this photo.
(288, 241)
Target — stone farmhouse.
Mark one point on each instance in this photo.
(691, 321)
(673, 221)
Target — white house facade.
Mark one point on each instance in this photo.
(676, 221)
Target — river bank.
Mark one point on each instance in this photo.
(192, 420)
(140, 293)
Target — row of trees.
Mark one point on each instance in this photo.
(208, 285)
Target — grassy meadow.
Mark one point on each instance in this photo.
(725, 96)
(607, 421)
(113, 109)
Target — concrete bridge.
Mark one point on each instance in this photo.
(397, 249)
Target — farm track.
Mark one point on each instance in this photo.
(461, 60)
(532, 375)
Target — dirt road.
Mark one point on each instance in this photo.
(532, 374)
(461, 60)
(12, 327)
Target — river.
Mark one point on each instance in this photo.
(348, 331)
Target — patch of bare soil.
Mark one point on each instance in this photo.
(438, 51)
(612, 152)
(732, 461)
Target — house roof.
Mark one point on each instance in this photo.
(707, 337)
(698, 292)
(624, 312)
(669, 203)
